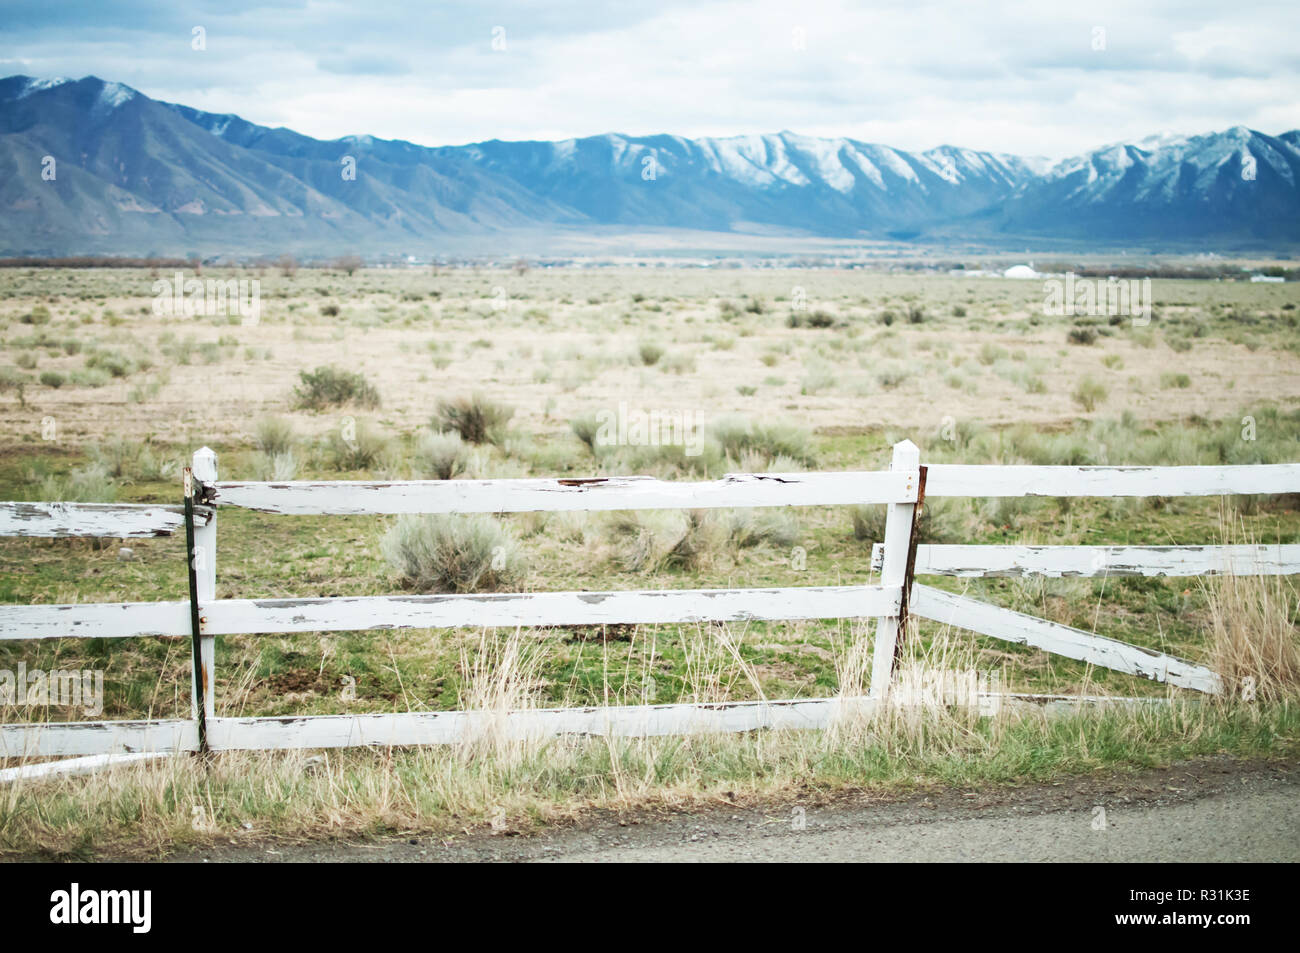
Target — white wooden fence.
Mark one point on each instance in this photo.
(898, 559)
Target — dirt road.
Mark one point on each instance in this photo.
(1214, 810)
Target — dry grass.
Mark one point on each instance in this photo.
(499, 781)
(1254, 636)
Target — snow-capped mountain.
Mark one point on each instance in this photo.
(135, 175)
(1234, 184)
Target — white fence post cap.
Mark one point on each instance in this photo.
(205, 463)
(906, 455)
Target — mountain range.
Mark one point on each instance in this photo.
(95, 167)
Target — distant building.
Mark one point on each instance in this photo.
(1269, 278)
(1020, 271)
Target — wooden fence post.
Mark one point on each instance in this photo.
(204, 556)
(893, 571)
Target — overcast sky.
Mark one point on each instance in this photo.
(1034, 78)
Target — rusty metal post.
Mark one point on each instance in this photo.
(204, 557)
(909, 573)
(198, 679)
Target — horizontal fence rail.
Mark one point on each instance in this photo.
(68, 739)
(96, 620)
(74, 739)
(898, 559)
(957, 479)
(118, 520)
(594, 494)
(965, 613)
(489, 610)
(540, 609)
(1059, 562)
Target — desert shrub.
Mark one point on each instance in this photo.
(358, 447)
(26, 360)
(476, 418)
(280, 467)
(649, 352)
(940, 522)
(586, 428)
(180, 350)
(274, 435)
(818, 376)
(701, 540)
(441, 455)
(453, 553)
(132, 462)
(748, 528)
(1089, 392)
(915, 314)
(671, 460)
(89, 378)
(1008, 512)
(12, 380)
(53, 379)
(1171, 380)
(1081, 335)
(817, 319)
(113, 363)
(679, 362)
(891, 376)
(1026, 444)
(653, 540)
(738, 436)
(333, 387)
(38, 315)
(88, 484)
(957, 435)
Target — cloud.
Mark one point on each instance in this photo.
(373, 64)
(1020, 77)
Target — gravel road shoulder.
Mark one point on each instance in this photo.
(1207, 810)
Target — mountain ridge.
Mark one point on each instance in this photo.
(136, 175)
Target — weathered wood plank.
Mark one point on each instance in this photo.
(987, 480)
(452, 727)
(631, 721)
(604, 493)
(965, 613)
(74, 766)
(120, 520)
(94, 620)
(66, 739)
(424, 728)
(1082, 561)
(259, 616)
